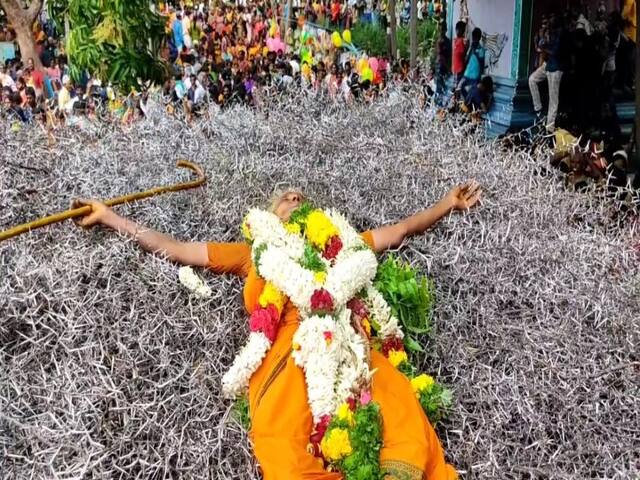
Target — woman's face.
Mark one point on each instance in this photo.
(287, 204)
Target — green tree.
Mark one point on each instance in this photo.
(21, 15)
(114, 40)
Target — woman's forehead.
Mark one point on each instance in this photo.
(291, 192)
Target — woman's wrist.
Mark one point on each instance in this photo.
(110, 219)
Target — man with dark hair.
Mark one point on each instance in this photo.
(480, 96)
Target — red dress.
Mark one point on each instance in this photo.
(459, 53)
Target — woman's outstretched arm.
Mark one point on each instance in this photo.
(185, 253)
(461, 197)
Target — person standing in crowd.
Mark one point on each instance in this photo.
(551, 70)
(5, 79)
(443, 65)
(459, 52)
(474, 65)
(178, 34)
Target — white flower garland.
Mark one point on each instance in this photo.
(236, 380)
(320, 361)
(380, 313)
(331, 353)
(351, 274)
(350, 237)
(267, 228)
(333, 369)
(193, 282)
(288, 276)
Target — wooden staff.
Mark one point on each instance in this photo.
(79, 212)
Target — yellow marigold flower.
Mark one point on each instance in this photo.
(320, 277)
(292, 228)
(271, 296)
(246, 231)
(319, 228)
(336, 445)
(396, 357)
(345, 413)
(366, 325)
(422, 383)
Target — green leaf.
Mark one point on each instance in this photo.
(412, 345)
(311, 259)
(300, 214)
(240, 412)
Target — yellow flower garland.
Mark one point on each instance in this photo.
(336, 445)
(319, 229)
(422, 383)
(396, 357)
(344, 413)
(271, 296)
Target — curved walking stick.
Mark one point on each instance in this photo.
(79, 212)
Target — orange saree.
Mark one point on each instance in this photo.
(281, 420)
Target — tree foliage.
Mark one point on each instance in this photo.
(373, 38)
(114, 40)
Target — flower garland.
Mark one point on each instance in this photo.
(193, 282)
(320, 263)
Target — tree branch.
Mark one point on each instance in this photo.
(34, 9)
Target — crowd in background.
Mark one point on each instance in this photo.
(227, 54)
(587, 58)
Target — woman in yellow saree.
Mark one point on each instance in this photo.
(281, 420)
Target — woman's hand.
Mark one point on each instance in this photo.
(98, 214)
(463, 197)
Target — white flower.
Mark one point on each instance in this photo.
(349, 236)
(267, 228)
(331, 353)
(288, 276)
(320, 359)
(380, 313)
(350, 275)
(193, 282)
(236, 381)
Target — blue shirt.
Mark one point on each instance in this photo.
(553, 59)
(475, 63)
(178, 34)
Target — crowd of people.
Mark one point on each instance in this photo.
(226, 54)
(586, 59)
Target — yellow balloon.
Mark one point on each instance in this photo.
(336, 39)
(362, 64)
(367, 74)
(346, 36)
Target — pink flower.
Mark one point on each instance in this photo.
(328, 337)
(365, 397)
(265, 320)
(321, 301)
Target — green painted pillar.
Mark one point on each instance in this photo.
(522, 31)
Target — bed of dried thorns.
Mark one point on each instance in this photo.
(110, 369)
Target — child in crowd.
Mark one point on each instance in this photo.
(474, 65)
(459, 52)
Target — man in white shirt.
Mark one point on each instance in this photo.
(6, 80)
(65, 102)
